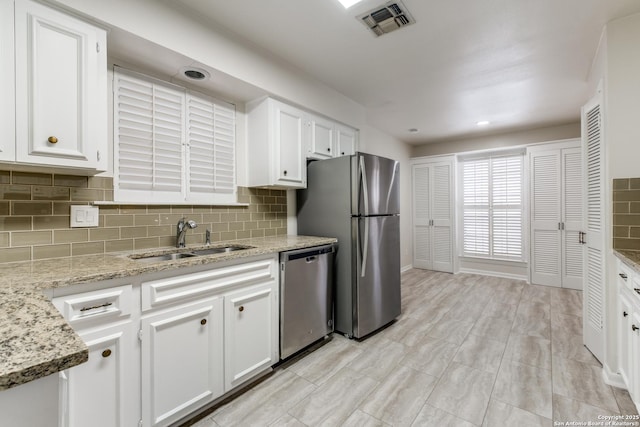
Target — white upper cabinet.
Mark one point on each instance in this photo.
(321, 139)
(275, 140)
(281, 137)
(346, 140)
(60, 89)
(7, 101)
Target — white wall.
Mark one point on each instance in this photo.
(379, 143)
(507, 139)
(617, 68)
(159, 22)
(623, 96)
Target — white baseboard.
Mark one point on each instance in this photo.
(494, 274)
(612, 378)
(406, 268)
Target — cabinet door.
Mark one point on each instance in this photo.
(7, 100)
(104, 390)
(545, 218)
(182, 361)
(60, 88)
(250, 333)
(625, 337)
(634, 354)
(321, 138)
(289, 168)
(346, 140)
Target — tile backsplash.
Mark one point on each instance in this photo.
(35, 207)
(626, 213)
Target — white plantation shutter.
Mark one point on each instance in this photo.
(492, 224)
(170, 146)
(149, 131)
(210, 143)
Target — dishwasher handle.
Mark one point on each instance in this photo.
(310, 255)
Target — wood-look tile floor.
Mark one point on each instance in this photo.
(467, 350)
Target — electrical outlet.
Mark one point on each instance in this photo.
(84, 216)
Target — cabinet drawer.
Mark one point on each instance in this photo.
(171, 290)
(628, 278)
(110, 303)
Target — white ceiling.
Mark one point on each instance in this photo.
(517, 63)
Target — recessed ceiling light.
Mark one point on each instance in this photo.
(348, 3)
(413, 130)
(483, 123)
(195, 73)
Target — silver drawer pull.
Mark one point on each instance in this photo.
(637, 290)
(106, 304)
(624, 276)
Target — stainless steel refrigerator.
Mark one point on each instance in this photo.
(356, 199)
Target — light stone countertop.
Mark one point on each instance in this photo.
(36, 341)
(630, 258)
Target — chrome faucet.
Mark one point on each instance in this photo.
(182, 230)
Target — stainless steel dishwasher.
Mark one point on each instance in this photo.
(306, 297)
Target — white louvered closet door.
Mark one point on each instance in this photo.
(433, 216)
(421, 217)
(545, 218)
(210, 148)
(442, 217)
(594, 277)
(572, 219)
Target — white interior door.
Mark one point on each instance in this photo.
(545, 218)
(442, 217)
(421, 217)
(594, 272)
(433, 216)
(572, 200)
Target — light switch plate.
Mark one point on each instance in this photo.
(84, 216)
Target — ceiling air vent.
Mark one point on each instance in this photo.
(387, 18)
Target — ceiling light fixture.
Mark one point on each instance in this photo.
(348, 3)
(195, 73)
(483, 122)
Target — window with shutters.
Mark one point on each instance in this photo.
(171, 145)
(492, 207)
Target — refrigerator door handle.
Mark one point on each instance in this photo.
(365, 186)
(365, 249)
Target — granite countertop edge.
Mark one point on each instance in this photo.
(629, 257)
(37, 341)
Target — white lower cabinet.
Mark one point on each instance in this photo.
(182, 367)
(250, 333)
(163, 345)
(629, 330)
(102, 392)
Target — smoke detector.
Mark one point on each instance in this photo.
(387, 18)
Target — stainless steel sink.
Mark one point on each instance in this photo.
(197, 252)
(220, 250)
(165, 257)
